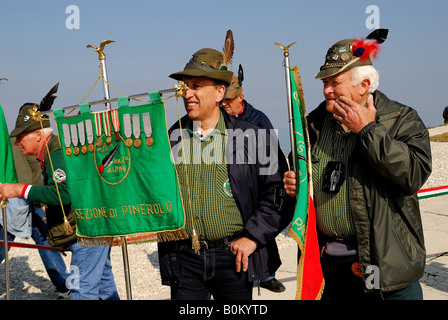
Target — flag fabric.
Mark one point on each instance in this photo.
(121, 178)
(432, 192)
(310, 281)
(8, 172)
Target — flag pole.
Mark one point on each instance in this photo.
(102, 58)
(5, 250)
(124, 246)
(288, 95)
(176, 88)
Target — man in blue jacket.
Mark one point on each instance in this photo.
(235, 105)
(231, 189)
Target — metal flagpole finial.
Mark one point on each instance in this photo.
(101, 55)
(285, 49)
(181, 89)
(3, 79)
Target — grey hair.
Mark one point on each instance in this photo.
(358, 74)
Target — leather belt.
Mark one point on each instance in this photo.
(209, 244)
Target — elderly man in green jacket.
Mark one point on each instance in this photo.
(370, 155)
(91, 270)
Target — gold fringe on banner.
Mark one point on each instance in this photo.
(162, 236)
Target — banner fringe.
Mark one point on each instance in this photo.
(162, 236)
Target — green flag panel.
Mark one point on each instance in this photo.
(121, 178)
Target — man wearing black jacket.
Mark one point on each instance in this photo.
(235, 105)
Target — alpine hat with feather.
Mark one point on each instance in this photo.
(25, 122)
(236, 87)
(210, 63)
(350, 53)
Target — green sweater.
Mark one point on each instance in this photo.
(48, 193)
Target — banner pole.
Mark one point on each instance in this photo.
(5, 250)
(102, 58)
(127, 277)
(105, 85)
(288, 95)
(175, 89)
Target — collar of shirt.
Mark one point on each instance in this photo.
(41, 155)
(220, 129)
(242, 109)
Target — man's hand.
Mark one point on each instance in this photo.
(243, 248)
(290, 183)
(352, 115)
(10, 190)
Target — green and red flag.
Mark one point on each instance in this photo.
(121, 178)
(310, 281)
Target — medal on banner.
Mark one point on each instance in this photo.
(147, 128)
(107, 127)
(127, 129)
(89, 130)
(74, 133)
(99, 129)
(67, 141)
(115, 123)
(82, 137)
(136, 129)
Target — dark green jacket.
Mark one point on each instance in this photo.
(390, 163)
(52, 198)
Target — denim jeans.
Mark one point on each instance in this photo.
(52, 260)
(91, 275)
(212, 273)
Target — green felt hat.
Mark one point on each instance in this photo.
(351, 53)
(207, 63)
(340, 58)
(25, 121)
(236, 87)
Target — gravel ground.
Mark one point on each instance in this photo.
(29, 280)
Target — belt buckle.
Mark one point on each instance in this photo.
(204, 244)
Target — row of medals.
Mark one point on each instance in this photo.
(129, 142)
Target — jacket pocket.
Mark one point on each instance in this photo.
(57, 237)
(407, 240)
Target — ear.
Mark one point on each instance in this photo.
(364, 87)
(220, 93)
(38, 134)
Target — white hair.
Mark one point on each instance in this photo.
(358, 74)
(48, 131)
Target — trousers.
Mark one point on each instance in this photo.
(212, 273)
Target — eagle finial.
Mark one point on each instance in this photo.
(285, 49)
(100, 49)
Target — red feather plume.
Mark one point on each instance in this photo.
(365, 49)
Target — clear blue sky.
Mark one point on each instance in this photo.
(156, 38)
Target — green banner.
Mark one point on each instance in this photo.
(299, 222)
(121, 178)
(8, 172)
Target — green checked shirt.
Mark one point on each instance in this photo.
(204, 183)
(333, 214)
